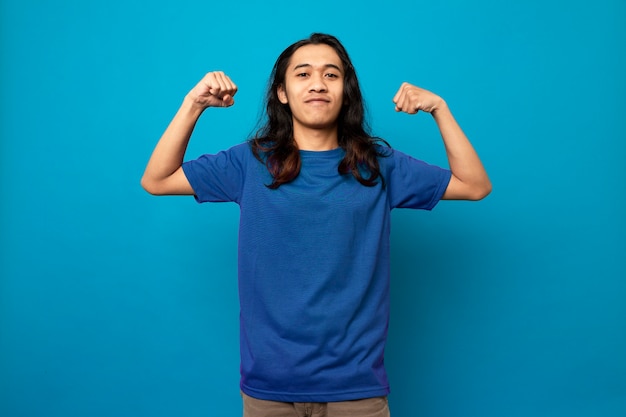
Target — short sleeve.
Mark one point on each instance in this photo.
(413, 183)
(219, 177)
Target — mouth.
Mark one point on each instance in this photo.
(317, 100)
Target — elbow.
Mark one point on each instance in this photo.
(481, 191)
(149, 186)
(472, 191)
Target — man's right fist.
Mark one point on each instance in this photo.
(214, 90)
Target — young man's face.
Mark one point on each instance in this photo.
(313, 87)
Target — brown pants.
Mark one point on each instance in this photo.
(370, 407)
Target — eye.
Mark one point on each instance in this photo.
(302, 74)
(332, 75)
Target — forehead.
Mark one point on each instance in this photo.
(315, 55)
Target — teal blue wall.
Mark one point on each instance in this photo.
(117, 303)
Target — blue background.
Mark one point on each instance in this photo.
(117, 303)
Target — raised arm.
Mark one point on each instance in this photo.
(164, 174)
(469, 179)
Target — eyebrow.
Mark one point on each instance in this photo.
(325, 66)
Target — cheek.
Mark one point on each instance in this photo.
(343, 99)
(341, 94)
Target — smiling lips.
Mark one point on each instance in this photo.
(317, 100)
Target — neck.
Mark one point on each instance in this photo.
(316, 139)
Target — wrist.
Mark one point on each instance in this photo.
(192, 107)
(439, 108)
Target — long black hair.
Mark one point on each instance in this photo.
(274, 143)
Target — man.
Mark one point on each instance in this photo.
(315, 192)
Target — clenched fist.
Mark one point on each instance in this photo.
(411, 99)
(216, 89)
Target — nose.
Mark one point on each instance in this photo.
(318, 84)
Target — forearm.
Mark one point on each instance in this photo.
(464, 162)
(169, 152)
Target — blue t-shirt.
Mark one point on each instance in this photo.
(314, 268)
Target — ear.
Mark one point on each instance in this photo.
(282, 95)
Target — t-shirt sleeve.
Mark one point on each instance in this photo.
(219, 177)
(413, 183)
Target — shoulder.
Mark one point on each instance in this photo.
(239, 154)
(243, 150)
(389, 157)
(237, 157)
(397, 163)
